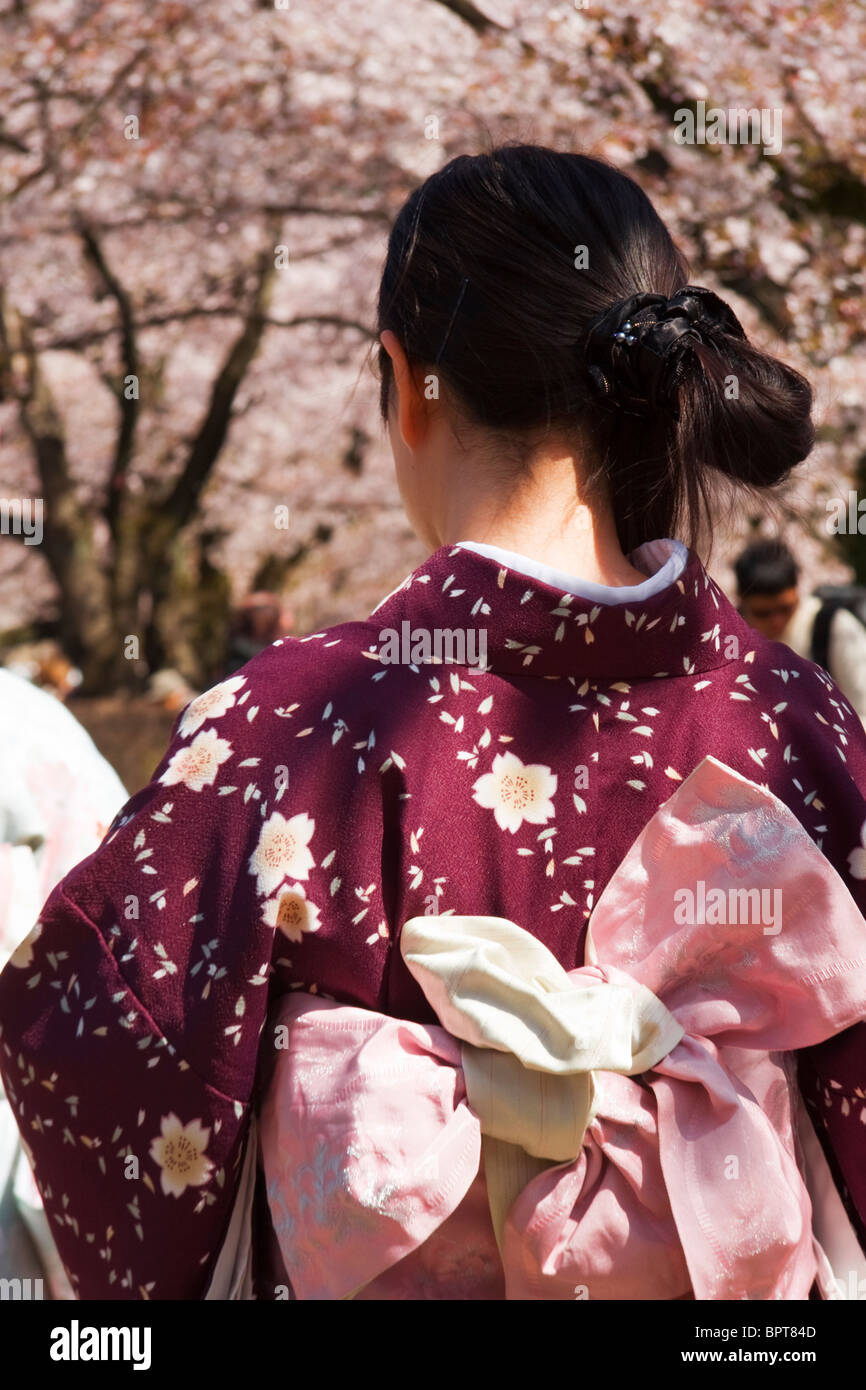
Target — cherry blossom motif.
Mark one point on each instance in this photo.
(282, 851)
(292, 912)
(857, 857)
(516, 792)
(179, 1152)
(211, 705)
(196, 766)
(22, 956)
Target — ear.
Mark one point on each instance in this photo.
(412, 409)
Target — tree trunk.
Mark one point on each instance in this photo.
(191, 609)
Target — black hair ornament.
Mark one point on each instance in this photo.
(637, 352)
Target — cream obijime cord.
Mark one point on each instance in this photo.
(532, 1039)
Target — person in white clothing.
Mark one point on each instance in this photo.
(58, 797)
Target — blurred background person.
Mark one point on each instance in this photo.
(257, 621)
(45, 665)
(815, 626)
(58, 797)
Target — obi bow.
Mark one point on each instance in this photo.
(634, 1115)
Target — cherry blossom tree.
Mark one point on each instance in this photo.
(193, 211)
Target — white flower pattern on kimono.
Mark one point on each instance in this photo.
(632, 703)
(23, 955)
(197, 766)
(857, 857)
(292, 912)
(282, 851)
(516, 792)
(211, 705)
(179, 1152)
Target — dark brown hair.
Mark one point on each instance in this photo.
(496, 237)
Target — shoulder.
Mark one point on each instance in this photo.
(773, 671)
(347, 649)
(38, 716)
(791, 712)
(41, 735)
(289, 675)
(298, 700)
(848, 628)
(804, 692)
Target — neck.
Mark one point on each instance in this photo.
(544, 518)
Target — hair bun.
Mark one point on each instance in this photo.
(653, 391)
(635, 351)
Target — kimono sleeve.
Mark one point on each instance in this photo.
(130, 1016)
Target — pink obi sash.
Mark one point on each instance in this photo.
(634, 1120)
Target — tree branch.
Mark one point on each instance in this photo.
(314, 210)
(471, 15)
(129, 407)
(180, 505)
(80, 129)
(98, 335)
(155, 217)
(11, 141)
(82, 126)
(68, 540)
(23, 381)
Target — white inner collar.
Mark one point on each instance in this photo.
(663, 560)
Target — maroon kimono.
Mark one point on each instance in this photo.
(311, 804)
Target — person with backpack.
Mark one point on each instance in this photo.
(541, 975)
(827, 627)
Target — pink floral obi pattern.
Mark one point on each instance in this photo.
(626, 1130)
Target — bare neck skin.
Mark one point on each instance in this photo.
(451, 491)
